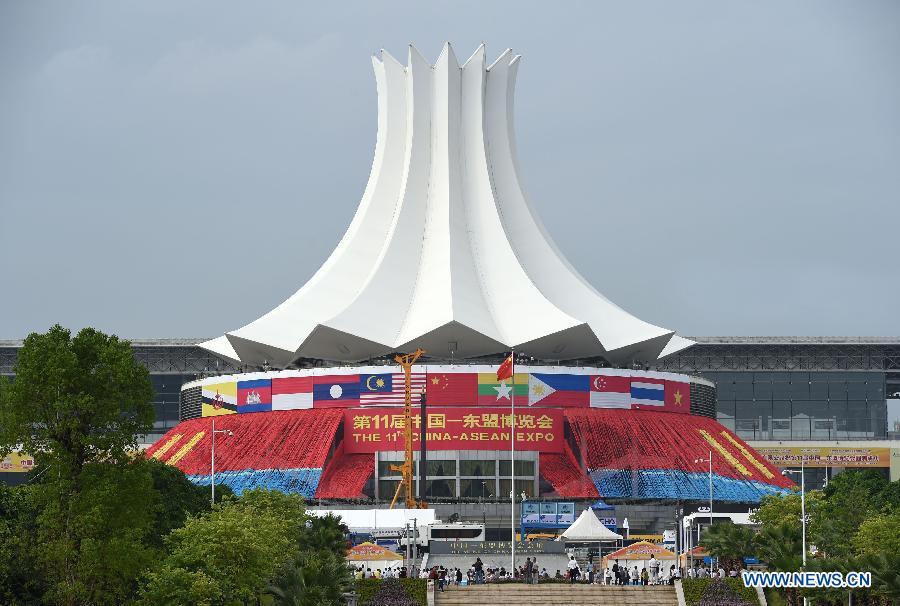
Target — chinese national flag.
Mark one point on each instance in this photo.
(506, 369)
(451, 389)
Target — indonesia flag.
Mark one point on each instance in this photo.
(292, 393)
(648, 392)
(609, 391)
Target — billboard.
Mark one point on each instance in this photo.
(826, 456)
(547, 514)
(369, 430)
(17, 462)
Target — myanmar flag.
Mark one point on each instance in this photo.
(492, 392)
(451, 389)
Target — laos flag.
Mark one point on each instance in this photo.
(335, 391)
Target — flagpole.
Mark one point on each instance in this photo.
(512, 464)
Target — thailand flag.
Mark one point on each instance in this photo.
(335, 391)
(648, 392)
(292, 393)
(609, 391)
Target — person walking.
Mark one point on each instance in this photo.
(573, 570)
(654, 569)
(615, 570)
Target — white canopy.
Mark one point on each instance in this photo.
(588, 529)
(446, 251)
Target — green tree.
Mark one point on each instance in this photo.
(312, 578)
(77, 404)
(234, 551)
(325, 533)
(75, 400)
(775, 510)
(730, 543)
(878, 534)
(181, 498)
(850, 498)
(780, 546)
(18, 583)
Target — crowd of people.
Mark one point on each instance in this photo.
(532, 573)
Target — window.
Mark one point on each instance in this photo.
(384, 468)
(523, 468)
(443, 467)
(386, 489)
(440, 489)
(478, 468)
(478, 489)
(526, 486)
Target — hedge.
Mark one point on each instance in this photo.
(695, 588)
(416, 589)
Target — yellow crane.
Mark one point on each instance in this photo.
(406, 362)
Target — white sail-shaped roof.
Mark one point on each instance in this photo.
(445, 251)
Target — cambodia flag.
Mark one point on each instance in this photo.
(335, 391)
(559, 389)
(291, 393)
(610, 391)
(254, 396)
(452, 388)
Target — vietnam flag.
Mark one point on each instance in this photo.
(678, 396)
(451, 388)
(506, 369)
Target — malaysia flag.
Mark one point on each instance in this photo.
(648, 392)
(292, 393)
(610, 391)
(390, 388)
(335, 391)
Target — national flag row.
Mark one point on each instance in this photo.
(446, 389)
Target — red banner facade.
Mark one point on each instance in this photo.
(457, 428)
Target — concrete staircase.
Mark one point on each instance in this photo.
(556, 594)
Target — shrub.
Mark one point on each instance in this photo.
(392, 592)
(695, 589)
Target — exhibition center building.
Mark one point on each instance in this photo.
(447, 257)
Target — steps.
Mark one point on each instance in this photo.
(556, 594)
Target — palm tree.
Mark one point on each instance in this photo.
(313, 578)
(729, 543)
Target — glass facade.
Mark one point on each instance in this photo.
(482, 475)
(800, 405)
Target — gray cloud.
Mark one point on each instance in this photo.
(175, 170)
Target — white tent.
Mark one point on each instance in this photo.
(588, 529)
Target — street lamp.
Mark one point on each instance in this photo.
(212, 458)
(708, 460)
(802, 506)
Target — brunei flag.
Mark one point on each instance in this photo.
(492, 392)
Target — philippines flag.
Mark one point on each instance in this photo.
(335, 391)
(390, 388)
(609, 391)
(254, 396)
(292, 393)
(648, 392)
(558, 389)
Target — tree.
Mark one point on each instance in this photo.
(850, 498)
(312, 578)
(75, 400)
(775, 510)
(878, 534)
(181, 498)
(233, 551)
(780, 546)
(77, 404)
(325, 533)
(730, 543)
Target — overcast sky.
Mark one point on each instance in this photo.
(718, 168)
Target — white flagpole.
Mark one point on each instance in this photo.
(512, 464)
